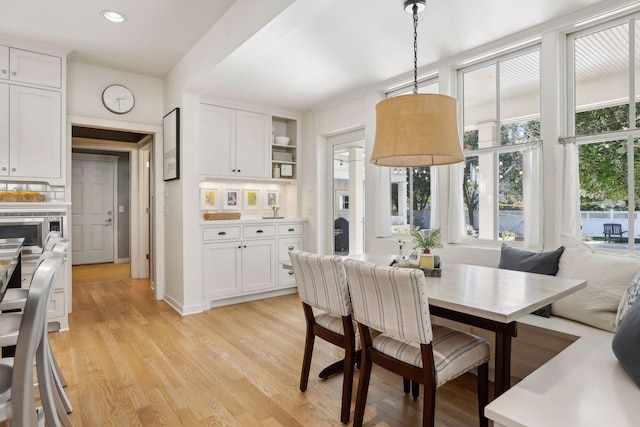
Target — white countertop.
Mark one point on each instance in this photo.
(250, 220)
(40, 206)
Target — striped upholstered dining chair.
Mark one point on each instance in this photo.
(394, 302)
(323, 290)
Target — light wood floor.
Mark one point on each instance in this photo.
(133, 361)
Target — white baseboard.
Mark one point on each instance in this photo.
(253, 297)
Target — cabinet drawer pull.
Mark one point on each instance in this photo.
(233, 170)
(222, 233)
(290, 248)
(4, 71)
(292, 229)
(13, 73)
(291, 273)
(259, 231)
(244, 246)
(240, 247)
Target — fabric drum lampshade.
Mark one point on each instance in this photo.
(416, 130)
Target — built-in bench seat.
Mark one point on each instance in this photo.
(582, 386)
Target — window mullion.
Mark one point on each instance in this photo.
(496, 160)
(410, 199)
(632, 75)
(631, 191)
(496, 195)
(631, 178)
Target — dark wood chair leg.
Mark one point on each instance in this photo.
(415, 390)
(407, 385)
(306, 360)
(363, 389)
(347, 385)
(483, 393)
(429, 406)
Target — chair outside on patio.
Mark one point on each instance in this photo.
(612, 230)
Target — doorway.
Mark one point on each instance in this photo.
(131, 213)
(347, 192)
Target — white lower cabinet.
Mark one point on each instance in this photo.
(246, 260)
(221, 270)
(236, 267)
(258, 265)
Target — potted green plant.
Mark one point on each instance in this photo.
(426, 241)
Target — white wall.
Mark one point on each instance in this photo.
(85, 84)
(190, 206)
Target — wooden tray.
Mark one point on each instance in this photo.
(21, 196)
(214, 216)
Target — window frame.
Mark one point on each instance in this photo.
(632, 131)
(495, 151)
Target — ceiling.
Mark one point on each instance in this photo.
(311, 52)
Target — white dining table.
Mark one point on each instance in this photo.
(489, 298)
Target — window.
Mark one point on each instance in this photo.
(604, 65)
(501, 109)
(411, 187)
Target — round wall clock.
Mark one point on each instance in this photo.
(118, 99)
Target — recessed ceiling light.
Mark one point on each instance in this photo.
(113, 16)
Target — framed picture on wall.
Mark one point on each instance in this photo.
(209, 199)
(251, 199)
(171, 149)
(231, 199)
(271, 198)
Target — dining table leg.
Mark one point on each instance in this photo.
(503, 363)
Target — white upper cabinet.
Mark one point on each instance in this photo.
(4, 62)
(233, 143)
(32, 145)
(252, 144)
(35, 143)
(34, 68)
(217, 140)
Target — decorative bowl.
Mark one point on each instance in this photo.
(282, 140)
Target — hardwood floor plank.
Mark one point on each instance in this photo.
(130, 360)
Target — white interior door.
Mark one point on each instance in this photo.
(92, 195)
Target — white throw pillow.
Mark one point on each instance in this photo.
(608, 277)
(630, 296)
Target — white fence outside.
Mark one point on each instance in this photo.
(513, 221)
(592, 221)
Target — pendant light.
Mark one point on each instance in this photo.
(418, 129)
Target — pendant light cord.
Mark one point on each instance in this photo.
(415, 48)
